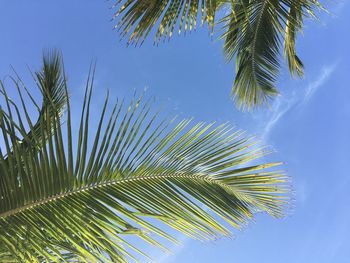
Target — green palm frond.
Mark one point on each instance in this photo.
(294, 24)
(51, 85)
(253, 34)
(138, 17)
(65, 203)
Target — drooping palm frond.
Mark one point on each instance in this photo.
(254, 36)
(253, 32)
(60, 203)
(294, 24)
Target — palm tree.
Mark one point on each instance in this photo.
(253, 31)
(66, 198)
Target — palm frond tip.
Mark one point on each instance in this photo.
(64, 203)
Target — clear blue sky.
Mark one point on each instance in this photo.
(308, 124)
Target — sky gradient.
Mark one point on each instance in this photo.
(308, 124)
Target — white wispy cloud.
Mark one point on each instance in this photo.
(284, 104)
(323, 77)
(279, 108)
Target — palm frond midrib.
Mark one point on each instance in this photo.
(111, 182)
(256, 33)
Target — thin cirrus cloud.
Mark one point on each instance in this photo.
(297, 100)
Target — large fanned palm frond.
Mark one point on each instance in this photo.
(253, 34)
(77, 199)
